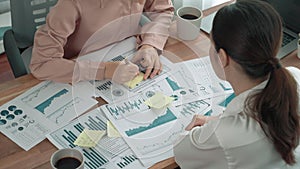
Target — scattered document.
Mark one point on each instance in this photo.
(29, 117)
(151, 136)
(89, 138)
(194, 89)
(112, 153)
(159, 101)
(111, 130)
(202, 81)
(113, 92)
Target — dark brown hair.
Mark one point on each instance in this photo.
(250, 32)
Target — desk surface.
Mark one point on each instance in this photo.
(12, 156)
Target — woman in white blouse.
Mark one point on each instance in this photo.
(260, 127)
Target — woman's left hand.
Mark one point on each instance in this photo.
(148, 58)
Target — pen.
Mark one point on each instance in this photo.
(126, 61)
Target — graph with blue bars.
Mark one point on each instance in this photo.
(41, 107)
(93, 158)
(192, 108)
(104, 86)
(108, 153)
(160, 120)
(129, 107)
(126, 160)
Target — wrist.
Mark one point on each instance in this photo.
(146, 46)
(110, 68)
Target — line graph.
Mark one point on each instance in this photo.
(35, 93)
(168, 141)
(126, 108)
(41, 107)
(65, 110)
(160, 120)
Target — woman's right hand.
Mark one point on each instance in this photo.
(122, 72)
(199, 120)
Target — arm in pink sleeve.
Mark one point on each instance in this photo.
(156, 32)
(48, 62)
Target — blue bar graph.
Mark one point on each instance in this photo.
(126, 160)
(95, 125)
(118, 58)
(190, 109)
(104, 86)
(93, 159)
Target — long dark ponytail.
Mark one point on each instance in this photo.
(250, 32)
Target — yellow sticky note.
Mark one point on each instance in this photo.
(135, 81)
(111, 130)
(159, 101)
(89, 138)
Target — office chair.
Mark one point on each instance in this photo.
(26, 17)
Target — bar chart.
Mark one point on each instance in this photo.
(108, 151)
(126, 160)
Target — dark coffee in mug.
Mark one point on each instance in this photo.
(189, 17)
(67, 163)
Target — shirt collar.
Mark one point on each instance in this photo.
(237, 104)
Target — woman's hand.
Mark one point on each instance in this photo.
(199, 120)
(148, 58)
(121, 72)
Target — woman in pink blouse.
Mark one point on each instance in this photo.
(70, 23)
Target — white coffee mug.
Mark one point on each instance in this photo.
(67, 158)
(188, 22)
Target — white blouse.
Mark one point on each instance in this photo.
(233, 141)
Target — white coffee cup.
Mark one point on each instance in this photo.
(69, 157)
(188, 22)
